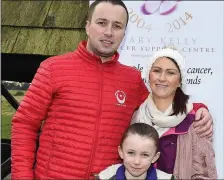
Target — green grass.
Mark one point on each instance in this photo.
(8, 112)
(6, 126)
(7, 109)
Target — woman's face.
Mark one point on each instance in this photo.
(164, 78)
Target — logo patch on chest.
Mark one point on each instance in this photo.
(121, 98)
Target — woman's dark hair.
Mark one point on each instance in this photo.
(143, 130)
(113, 2)
(180, 98)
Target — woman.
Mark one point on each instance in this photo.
(168, 109)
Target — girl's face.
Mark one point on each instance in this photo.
(164, 78)
(138, 153)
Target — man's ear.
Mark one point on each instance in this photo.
(156, 157)
(87, 27)
(120, 152)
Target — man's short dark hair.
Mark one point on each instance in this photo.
(113, 2)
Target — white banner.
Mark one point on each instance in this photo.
(196, 29)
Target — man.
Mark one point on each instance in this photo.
(86, 99)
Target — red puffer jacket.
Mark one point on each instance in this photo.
(86, 106)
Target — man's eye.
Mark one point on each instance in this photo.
(130, 153)
(101, 23)
(117, 27)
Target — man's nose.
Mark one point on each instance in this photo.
(109, 31)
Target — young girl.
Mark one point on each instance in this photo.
(139, 150)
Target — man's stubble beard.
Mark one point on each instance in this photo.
(96, 51)
(101, 54)
(105, 55)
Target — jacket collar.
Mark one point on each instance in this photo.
(183, 127)
(93, 58)
(185, 124)
(151, 173)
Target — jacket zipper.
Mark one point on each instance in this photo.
(98, 120)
